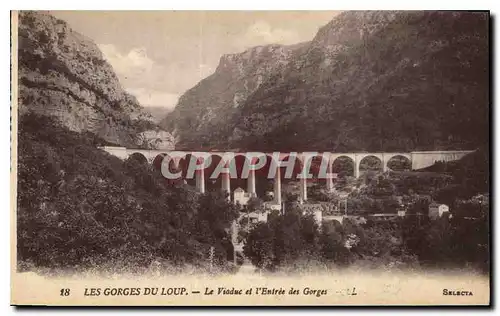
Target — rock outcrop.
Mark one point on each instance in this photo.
(63, 74)
(368, 80)
(155, 139)
(204, 112)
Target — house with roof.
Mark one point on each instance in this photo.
(240, 197)
(436, 210)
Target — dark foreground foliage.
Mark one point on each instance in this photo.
(459, 239)
(293, 242)
(81, 208)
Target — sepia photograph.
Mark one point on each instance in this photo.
(265, 158)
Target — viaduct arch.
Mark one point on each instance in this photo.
(276, 162)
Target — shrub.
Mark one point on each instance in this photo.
(81, 208)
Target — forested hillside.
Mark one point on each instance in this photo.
(375, 81)
(81, 208)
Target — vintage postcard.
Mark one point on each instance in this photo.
(260, 158)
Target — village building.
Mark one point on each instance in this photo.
(255, 217)
(241, 197)
(437, 210)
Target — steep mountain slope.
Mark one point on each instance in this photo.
(64, 75)
(158, 113)
(203, 112)
(369, 80)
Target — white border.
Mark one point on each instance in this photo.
(190, 5)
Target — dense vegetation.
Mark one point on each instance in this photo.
(293, 242)
(81, 208)
(412, 80)
(456, 240)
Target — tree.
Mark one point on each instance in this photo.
(81, 208)
(332, 243)
(284, 240)
(254, 204)
(259, 246)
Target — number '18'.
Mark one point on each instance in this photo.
(64, 292)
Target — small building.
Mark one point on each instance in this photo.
(437, 210)
(262, 217)
(241, 197)
(401, 213)
(316, 210)
(255, 217)
(272, 206)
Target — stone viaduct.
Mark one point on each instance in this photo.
(418, 160)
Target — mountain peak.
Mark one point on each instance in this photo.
(368, 80)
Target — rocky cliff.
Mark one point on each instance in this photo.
(203, 112)
(63, 74)
(368, 80)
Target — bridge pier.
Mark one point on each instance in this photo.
(357, 164)
(329, 179)
(200, 181)
(226, 184)
(277, 186)
(303, 188)
(385, 161)
(251, 183)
